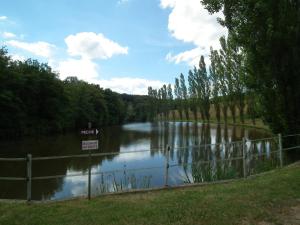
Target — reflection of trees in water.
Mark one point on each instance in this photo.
(110, 141)
(193, 136)
(205, 164)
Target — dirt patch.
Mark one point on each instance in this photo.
(285, 215)
(290, 216)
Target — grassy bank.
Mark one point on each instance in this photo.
(241, 202)
(248, 123)
(259, 124)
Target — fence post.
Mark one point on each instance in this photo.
(29, 175)
(280, 150)
(168, 148)
(89, 175)
(244, 158)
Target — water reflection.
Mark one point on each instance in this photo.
(191, 143)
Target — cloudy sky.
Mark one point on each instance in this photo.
(125, 45)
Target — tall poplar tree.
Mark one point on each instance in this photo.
(193, 94)
(184, 96)
(269, 32)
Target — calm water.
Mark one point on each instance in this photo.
(185, 166)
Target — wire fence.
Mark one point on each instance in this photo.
(247, 150)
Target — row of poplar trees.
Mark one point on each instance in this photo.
(220, 89)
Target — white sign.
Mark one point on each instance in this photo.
(89, 145)
(89, 132)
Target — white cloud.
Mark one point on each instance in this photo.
(87, 70)
(8, 35)
(3, 18)
(90, 46)
(130, 85)
(84, 69)
(93, 46)
(40, 48)
(190, 22)
(121, 2)
(191, 57)
(17, 57)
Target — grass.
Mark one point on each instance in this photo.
(240, 202)
(259, 124)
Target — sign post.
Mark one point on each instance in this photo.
(89, 176)
(88, 145)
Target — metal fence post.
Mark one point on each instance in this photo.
(168, 148)
(29, 175)
(89, 175)
(244, 158)
(280, 150)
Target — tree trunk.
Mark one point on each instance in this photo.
(218, 112)
(225, 115)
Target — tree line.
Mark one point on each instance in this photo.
(33, 100)
(257, 67)
(269, 34)
(221, 87)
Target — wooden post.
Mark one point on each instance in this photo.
(280, 150)
(244, 158)
(29, 175)
(167, 166)
(89, 175)
(90, 165)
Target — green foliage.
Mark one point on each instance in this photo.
(184, 96)
(223, 86)
(268, 31)
(138, 108)
(32, 98)
(161, 102)
(192, 94)
(34, 101)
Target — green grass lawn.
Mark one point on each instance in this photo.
(248, 201)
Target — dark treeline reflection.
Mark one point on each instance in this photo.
(190, 144)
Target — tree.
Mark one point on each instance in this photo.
(215, 83)
(192, 94)
(204, 85)
(178, 95)
(33, 101)
(197, 82)
(170, 100)
(164, 105)
(184, 96)
(152, 102)
(233, 60)
(226, 57)
(268, 31)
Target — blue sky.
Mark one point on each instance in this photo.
(124, 45)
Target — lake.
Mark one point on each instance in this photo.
(194, 157)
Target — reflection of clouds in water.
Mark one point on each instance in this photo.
(177, 135)
(132, 157)
(76, 185)
(140, 145)
(258, 146)
(142, 127)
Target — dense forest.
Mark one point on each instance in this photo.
(33, 100)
